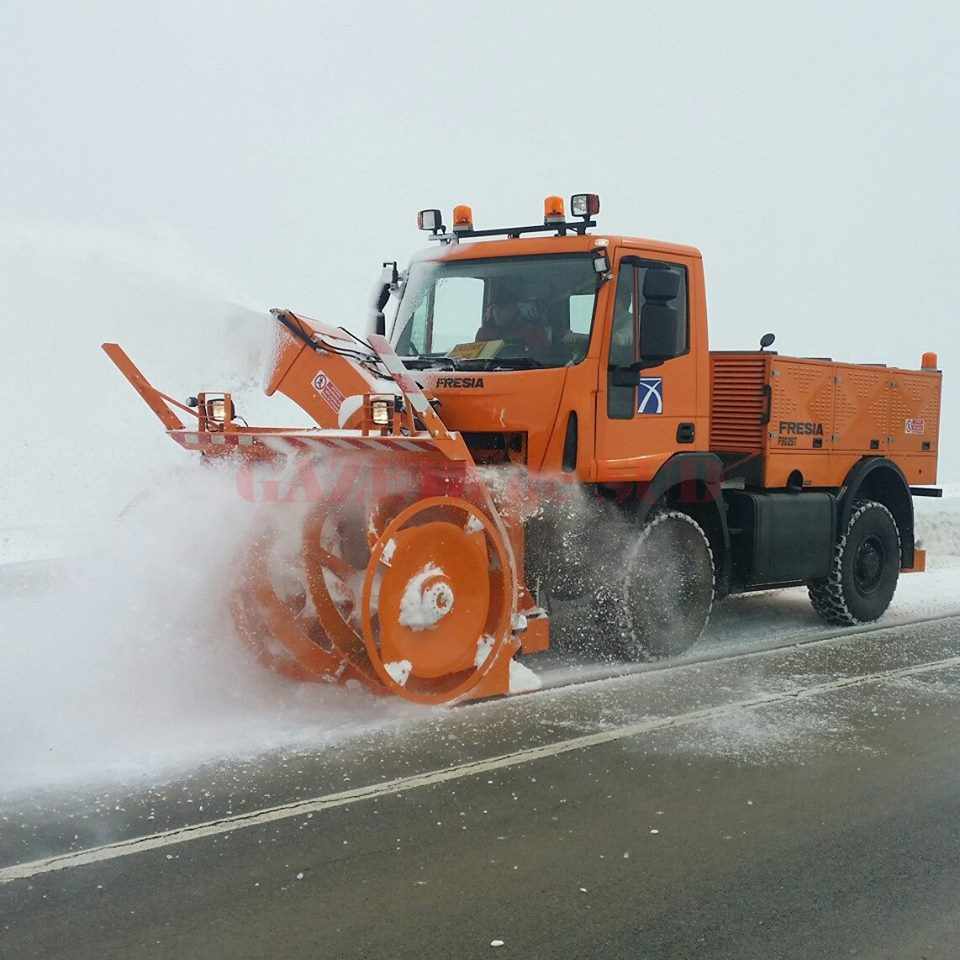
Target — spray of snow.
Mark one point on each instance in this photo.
(67, 288)
(125, 666)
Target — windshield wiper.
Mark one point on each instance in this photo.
(427, 362)
(500, 363)
(517, 363)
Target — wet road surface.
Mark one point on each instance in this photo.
(792, 803)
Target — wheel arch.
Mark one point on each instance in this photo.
(691, 483)
(880, 479)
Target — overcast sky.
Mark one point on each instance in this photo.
(810, 150)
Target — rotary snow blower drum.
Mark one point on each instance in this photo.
(398, 574)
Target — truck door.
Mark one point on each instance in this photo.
(645, 415)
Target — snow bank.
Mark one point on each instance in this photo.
(938, 526)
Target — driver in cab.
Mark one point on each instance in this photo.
(502, 320)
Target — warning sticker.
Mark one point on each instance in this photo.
(328, 390)
(914, 426)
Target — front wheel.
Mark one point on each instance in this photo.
(661, 603)
(865, 568)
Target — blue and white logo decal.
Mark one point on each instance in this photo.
(650, 395)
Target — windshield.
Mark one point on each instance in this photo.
(509, 311)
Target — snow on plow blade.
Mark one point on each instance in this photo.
(382, 561)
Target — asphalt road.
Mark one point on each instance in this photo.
(793, 803)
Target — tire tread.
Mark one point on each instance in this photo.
(826, 595)
(631, 645)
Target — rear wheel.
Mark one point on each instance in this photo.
(661, 604)
(865, 568)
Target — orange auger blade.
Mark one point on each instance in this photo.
(405, 592)
(402, 580)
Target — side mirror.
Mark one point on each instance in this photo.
(389, 280)
(661, 285)
(662, 334)
(663, 331)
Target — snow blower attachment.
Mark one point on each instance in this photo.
(404, 580)
(580, 365)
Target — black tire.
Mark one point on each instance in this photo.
(660, 604)
(865, 568)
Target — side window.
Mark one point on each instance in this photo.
(581, 313)
(649, 318)
(623, 342)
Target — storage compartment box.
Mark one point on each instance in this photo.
(772, 417)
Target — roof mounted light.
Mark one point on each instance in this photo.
(585, 205)
(553, 210)
(430, 220)
(462, 218)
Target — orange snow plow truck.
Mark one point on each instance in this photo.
(544, 423)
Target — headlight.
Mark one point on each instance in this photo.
(381, 412)
(217, 410)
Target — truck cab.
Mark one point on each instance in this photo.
(588, 352)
